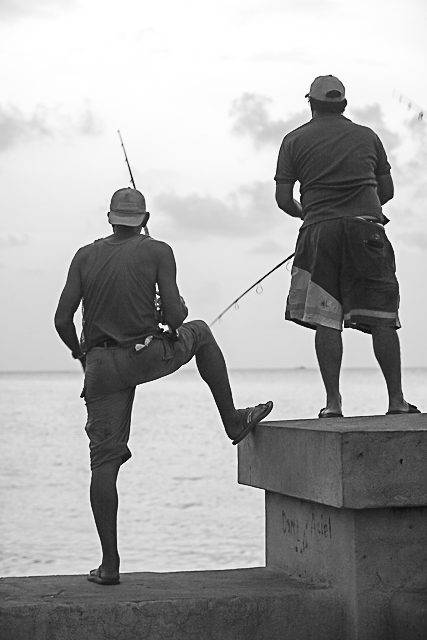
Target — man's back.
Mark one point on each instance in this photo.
(118, 285)
(337, 163)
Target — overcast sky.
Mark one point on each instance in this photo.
(203, 94)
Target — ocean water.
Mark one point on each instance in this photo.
(180, 505)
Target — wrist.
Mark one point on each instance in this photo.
(78, 355)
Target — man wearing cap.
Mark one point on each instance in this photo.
(122, 346)
(344, 268)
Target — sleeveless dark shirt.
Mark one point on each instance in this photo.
(118, 299)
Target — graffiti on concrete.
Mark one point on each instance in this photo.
(303, 531)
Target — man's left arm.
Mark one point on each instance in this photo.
(285, 200)
(385, 188)
(67, 306)
(173, 306)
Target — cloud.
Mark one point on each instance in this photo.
(87, 123)
(412, 166)
(16, 126)
(371, 116)
(268, 246)
(16, 9)
(248, 210)
(252, 119)
(12, 240)
(407, 209)
(414, 238)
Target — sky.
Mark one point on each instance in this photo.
(203, 93)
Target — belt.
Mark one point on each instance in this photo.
(368, 219)
(104, 344)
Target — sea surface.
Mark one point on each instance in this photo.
(180, 505)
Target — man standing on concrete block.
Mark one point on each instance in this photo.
(344, 267)
(122, 345)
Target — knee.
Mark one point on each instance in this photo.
(328, 331)
(203, 327)
(205, 332)
(107, 469)
(382, 330)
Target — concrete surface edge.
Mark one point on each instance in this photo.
(356, 463)
(237, 604)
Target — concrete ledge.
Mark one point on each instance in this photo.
(240, 604)
(356, 463)
(408, 615)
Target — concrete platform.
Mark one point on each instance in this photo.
(242, 604)
(346, 507)
(408, 615)
(355, 463)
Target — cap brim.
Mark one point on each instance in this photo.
(127, 220)
(325, 98)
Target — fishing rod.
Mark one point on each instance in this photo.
(250, 288)
(157, 299)
(147, 233)
(411, 105)
(126, 160)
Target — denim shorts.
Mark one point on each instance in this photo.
(344, 271)
(111, 377)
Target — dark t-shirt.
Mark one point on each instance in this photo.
(336, 163)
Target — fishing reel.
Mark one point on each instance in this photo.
(158, 311)
(172, 334)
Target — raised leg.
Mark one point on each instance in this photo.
(329, 349)
(212, 368)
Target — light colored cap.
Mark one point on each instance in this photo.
(327, 89)
(127, 207)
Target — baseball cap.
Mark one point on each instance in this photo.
(127, 207)
(327, 89)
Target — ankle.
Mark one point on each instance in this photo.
(333, 400)
(397, 403)
(111, 564)
(233, 423)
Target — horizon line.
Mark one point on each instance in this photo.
(295, 368)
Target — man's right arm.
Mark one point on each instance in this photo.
(173, 306)
(285, 178)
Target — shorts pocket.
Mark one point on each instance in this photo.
(367, 250)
